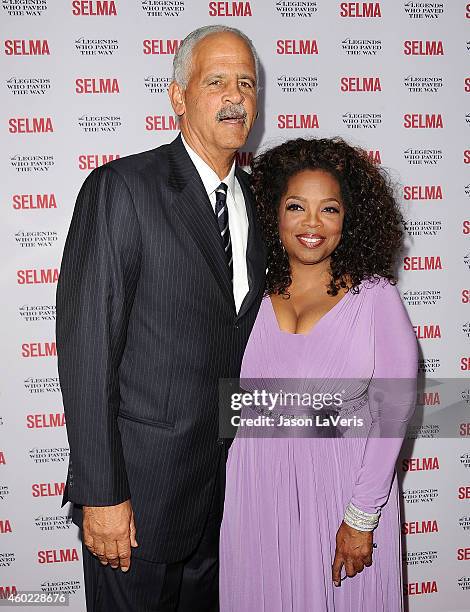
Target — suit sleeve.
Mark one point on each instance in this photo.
(392, 398)
(95, 292)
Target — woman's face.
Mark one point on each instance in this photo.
(311, 214)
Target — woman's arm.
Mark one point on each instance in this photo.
(392, 398)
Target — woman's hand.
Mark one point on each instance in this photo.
(353, 550)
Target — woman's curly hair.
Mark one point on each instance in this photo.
(373, 225)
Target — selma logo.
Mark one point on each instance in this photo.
(96, 86)
(244, 158)
(39, 349)
(423, 121)
(160, 47)
(464, 492)
(289, 122)
(420, 464)
(422, 263)
(161, 122)
(30, 125)
(465, 296)
(463, 554)
(423, 47)
(58, 555)
(466, 156)
(427, 332)
(429, 398)
(421, 588)
(37, 276)
(27, 47)
(91, 161)
(230, 9)
(464, 428)
(360, 9)
(465, 367)
(467, 11)
(297, 47)
(45, 420)
(47, 489)
(419, 527)
(29, 201)
(7, 591)
(5, 527)
(3, 461)
(359, 84)
(422, 192)
(374, 156)
(94, 8)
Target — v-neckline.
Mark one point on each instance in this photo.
(314, 326)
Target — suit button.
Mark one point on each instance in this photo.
(236, 326)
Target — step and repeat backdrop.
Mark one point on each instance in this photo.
(84, 82)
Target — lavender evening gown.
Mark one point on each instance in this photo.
(286, 496)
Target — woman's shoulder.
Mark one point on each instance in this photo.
(380, 292)
(379, 285)
(388, 304)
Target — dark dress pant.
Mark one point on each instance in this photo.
(189, 585)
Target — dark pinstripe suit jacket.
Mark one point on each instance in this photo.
(146, 326)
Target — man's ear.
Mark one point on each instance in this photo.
(176, 94)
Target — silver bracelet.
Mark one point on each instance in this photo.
(360, 520)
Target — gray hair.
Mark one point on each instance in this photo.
(183, 57)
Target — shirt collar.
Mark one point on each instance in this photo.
(209, 178)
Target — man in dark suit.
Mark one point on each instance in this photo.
(161, 280)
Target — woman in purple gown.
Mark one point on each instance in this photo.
(311, 519)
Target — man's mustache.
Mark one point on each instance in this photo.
(234, 111)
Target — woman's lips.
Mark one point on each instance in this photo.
(311, 241)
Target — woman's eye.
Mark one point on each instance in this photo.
(294, 206)
(331, 209)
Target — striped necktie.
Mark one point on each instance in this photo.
(221, 212)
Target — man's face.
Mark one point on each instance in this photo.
(218, 107)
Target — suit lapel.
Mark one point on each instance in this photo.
(255, 251)
(197, 214)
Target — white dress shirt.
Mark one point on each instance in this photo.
(237, 219)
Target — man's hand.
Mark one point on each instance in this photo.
(109, 533)
(353, 550)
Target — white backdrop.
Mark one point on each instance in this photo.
(85, 81)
